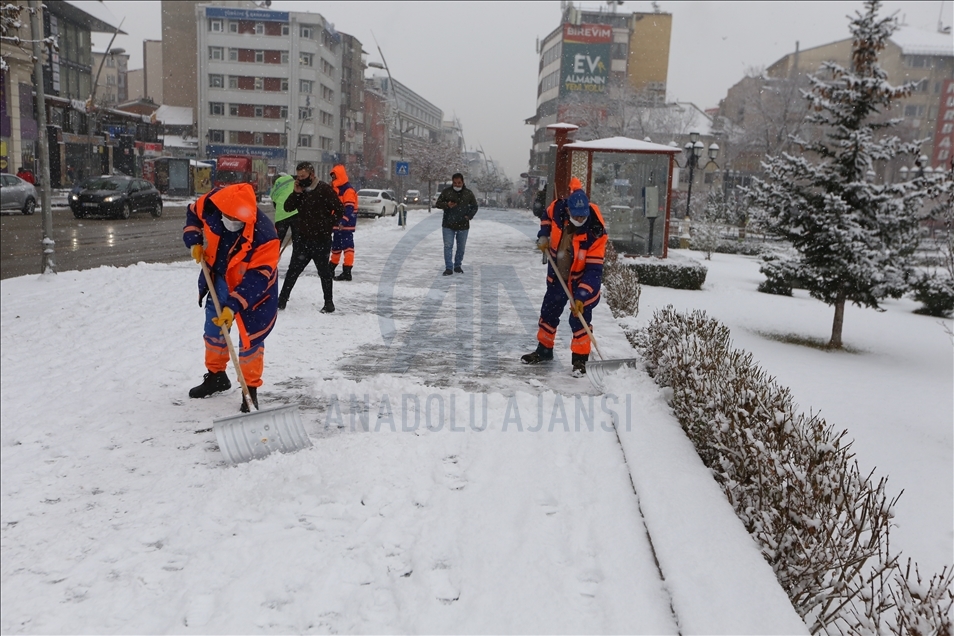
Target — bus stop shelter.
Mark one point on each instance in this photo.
(631, 182)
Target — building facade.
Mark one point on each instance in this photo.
(152, 77)
(911, 55)
(111, 89)
(408, 118)
(588, 57)
(352, 106)
(269, 84)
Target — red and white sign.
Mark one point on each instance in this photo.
(233, 163)
(944, 131)
(588, 33)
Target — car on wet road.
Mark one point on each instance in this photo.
(116, 196)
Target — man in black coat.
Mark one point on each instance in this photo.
(319, 211)
(460, 206)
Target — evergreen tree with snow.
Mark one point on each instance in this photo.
(854, 238)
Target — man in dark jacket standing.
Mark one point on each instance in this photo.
(319, 211)
(460, 206)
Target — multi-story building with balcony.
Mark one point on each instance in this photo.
(590, 56)
(112, 86)
(269, 84)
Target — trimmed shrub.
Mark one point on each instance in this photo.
(820, 522)
(682, 274)
(620, 285)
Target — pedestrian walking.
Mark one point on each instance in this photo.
(26, 175)
(459, 205)
(319, 211)
(574, 234)
(342, 241)
(239, 245)
(281, 190)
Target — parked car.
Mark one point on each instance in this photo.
(17, 194)
(117, 196)
(412, 197)
(376, 203)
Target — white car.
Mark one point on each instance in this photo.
(376, 203)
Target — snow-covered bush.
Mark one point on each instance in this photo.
(687, 274)
(779, 276)
(935, 293)
(820, 522)
(620, 285)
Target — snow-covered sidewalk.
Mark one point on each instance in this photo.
(449, 489)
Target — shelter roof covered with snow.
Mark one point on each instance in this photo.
(622, 144)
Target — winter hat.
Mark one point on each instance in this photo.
(579, 204)
(575, 184)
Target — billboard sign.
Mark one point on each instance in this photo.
(944, 132)
(586, 58)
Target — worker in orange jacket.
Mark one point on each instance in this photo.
(574, 233)
(342, 241)
(240, 247)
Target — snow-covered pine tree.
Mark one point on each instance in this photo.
(854, 238)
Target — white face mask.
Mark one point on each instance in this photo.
(578, 222)
(458, 188)
(232, 225)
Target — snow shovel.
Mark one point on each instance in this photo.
(596, 371)
(255, 434)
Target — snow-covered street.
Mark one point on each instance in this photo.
(449, 489)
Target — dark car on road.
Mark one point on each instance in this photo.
(17, 194)
(117, 196)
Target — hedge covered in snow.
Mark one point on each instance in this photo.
(674, 273)
(820, 522)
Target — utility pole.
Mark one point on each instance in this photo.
(48, 264)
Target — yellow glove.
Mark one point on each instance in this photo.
(543, 244)
(577, 307)
(225, 318)
(197, 253)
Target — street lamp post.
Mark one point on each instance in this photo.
(91, 102)
(693, 150)
(48, 263)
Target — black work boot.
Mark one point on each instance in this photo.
(345, 273)
(211, 383)
(282, 302)
(542, 354)
(579, 364)
(253, 392)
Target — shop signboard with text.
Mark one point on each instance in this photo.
(586, 58)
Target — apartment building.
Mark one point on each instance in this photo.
(111, 89)
(588, 56)
(409, 118)
(922, 57)
(268, 84)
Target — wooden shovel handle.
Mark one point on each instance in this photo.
(589, 332)
(228, 340)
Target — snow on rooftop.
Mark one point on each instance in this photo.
(623, 143)
(177, 141)
(915, 41)
(174, 115)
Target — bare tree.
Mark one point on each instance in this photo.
(625, 112)
(433, 162)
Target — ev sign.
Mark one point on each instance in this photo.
(402, 168)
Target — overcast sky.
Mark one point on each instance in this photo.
(478, 60)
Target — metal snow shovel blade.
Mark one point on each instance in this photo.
(255, 434)
(597, 370)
